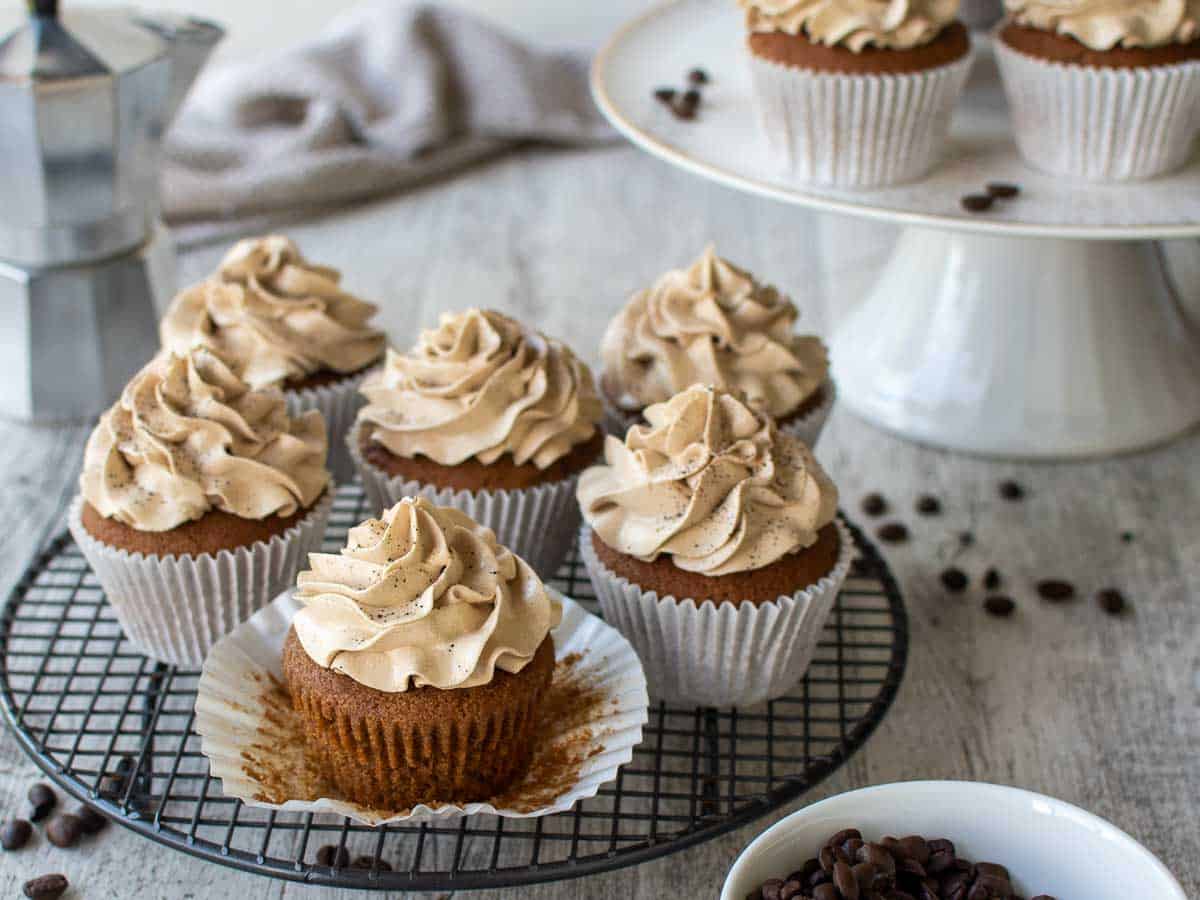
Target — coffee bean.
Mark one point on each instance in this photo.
(864, 874)
(874, 505)
(826, 892)
(991, 579)
(790, 890)
(827, 859)
(939, 861)
(64, 831)
(1055, 590)
(928, 505)
(892, 533)
(43, 800)
(665, 94)
(368, 862)
(89, 820)
(999, 605)
(844, 881)
(846, 834)
(991, 869)
(334, 856)
(966, 539)
(1043, 897)
(45, 887)
(977, 202)
(878, 856)
(1111, 601)
(1010, 490)
(1002, 189)
(1127, 537)
(954, 580)
(697, 76)
(692, 98)
(915, 847)
(15, 833)
(770, 888)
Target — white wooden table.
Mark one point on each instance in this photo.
(1101, 712)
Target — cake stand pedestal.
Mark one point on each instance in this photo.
(1047, 327)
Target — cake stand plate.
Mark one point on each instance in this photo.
(1047, 327)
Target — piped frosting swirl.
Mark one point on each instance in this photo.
(710, 482)
(854, 24)
(188, 436)
(423, 596)
(1105, 24)
(274, 316)
(481, 385)
(711, 323)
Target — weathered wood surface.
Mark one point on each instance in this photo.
(1101, 712)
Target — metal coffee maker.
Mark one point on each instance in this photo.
(85, 98)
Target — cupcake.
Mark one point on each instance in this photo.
(1103, 90)
(715, 324)
(419, 659)
(712, 541)
(490, 417)
(856, 93)
(199, 500)
(284, 323)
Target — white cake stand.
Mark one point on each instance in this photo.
(1046, 327)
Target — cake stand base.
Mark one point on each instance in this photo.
(1022, 347)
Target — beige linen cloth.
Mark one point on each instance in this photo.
(391, 95)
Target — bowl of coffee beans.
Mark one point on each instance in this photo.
(946, 840)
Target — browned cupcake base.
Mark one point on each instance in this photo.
(472, 475)
(1062, 48)
(214, 531)
(390, 751)
(783, 577)
(800, 52)
(325, 377)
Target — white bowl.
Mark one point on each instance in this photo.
(1049, 847)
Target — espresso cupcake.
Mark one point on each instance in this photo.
(1100, 90)
(283, 322)
(856, 93)
(199, 500)
(712, 541)
(420, 658)
(487, 416)
(715, 324)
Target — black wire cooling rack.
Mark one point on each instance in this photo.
(114, 729)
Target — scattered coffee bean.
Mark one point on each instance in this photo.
(966, 538)
(1111, 601)
(977, 202)
(665, 94)
(64, 831)
(1010, 490)
(954, 580)
(1127, 537)
(928, 505)
(15, 833)
(892, 533)
(685, 108)
(332, 855)
(991, 579)
(1043, 897)
(874, 505)
(999, 605)
(90, 821)
(368, 862)
(43, 800)
(1002, 190)
(1055, 590)
(45, 887)
(697, 76)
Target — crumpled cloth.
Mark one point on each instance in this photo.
(392, 95)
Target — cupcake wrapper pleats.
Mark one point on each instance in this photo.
(339, 403)
(174, 608)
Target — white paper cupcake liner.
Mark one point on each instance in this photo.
(718, 655)
(174, 608)
(537, 523)
(233, 720)
(855, 131)
(1101, 124)
(339, 403)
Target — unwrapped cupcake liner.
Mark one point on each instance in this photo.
(722, 655)
(855, 131)
(174, 608)
(537, 523)
(339, 403)
(1101, 124)
(236, 720)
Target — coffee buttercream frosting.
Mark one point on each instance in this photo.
(712, 483)
(481, 385)
(1105, 24)
(188, 436)
(711, 323)
(274, 316)
(423, 596)
(854, 24)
